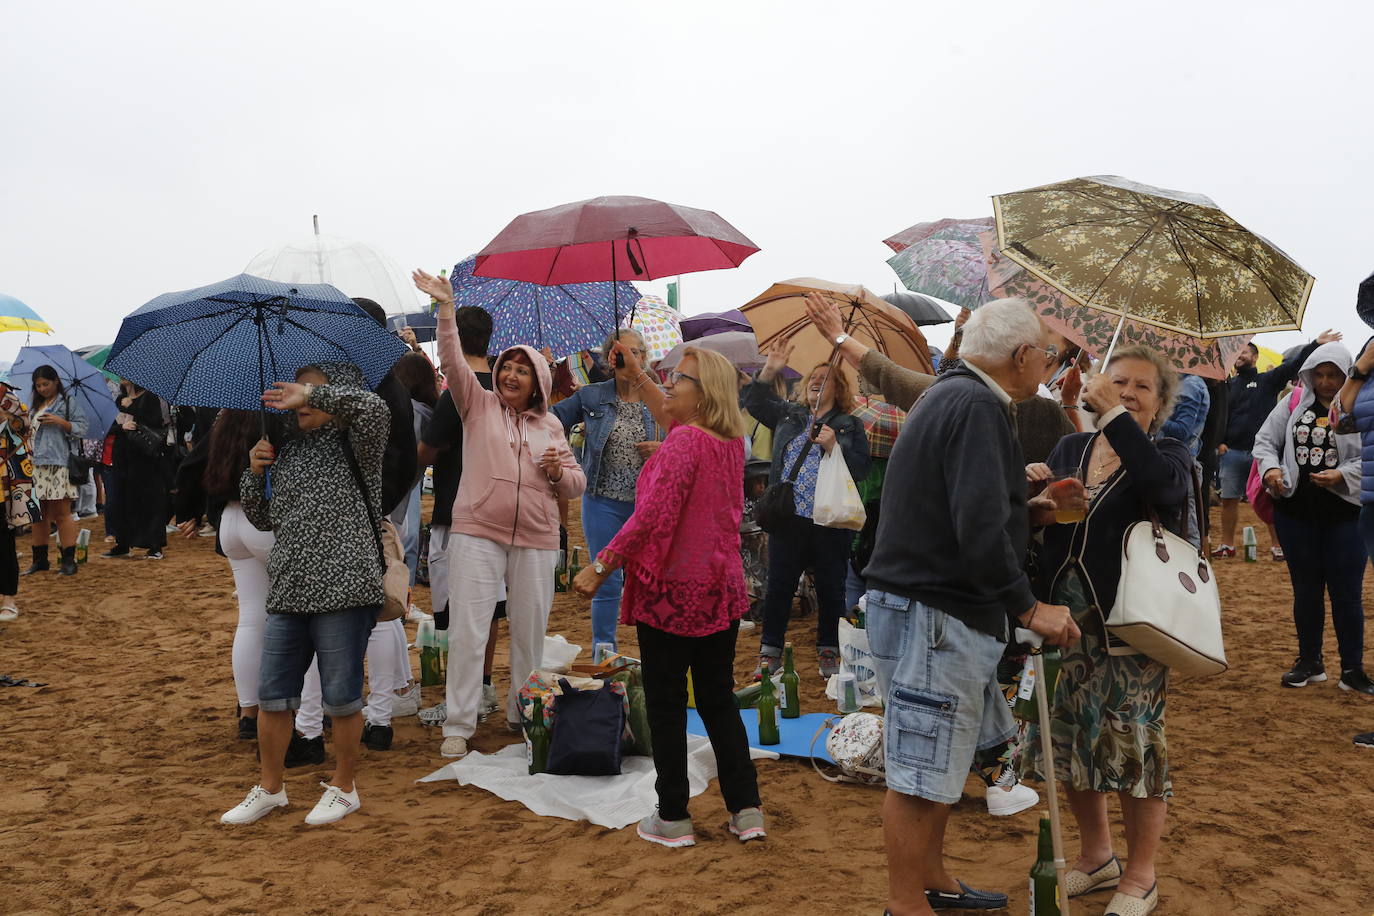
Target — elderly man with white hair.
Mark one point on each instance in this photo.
(947, 585)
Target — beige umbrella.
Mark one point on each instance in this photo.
(779, 312)
(1165, 258)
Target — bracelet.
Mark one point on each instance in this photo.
(641, 380)
(1070, 406)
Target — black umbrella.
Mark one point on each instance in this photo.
(1364, 301)
(922, 309)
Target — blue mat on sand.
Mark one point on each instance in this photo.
(796, 733)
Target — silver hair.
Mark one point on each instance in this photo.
(623, 333)
(993, 333)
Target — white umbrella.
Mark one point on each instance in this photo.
(355, 268)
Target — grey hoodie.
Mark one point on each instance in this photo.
(1276, 434)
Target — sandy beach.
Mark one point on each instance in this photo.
(114, 776)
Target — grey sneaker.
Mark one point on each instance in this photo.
(747, 824)
(434, 715)
(489, 702)
(770, 656)
(829, 657)
(672, 834)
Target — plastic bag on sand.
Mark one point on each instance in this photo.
(856, 657)
(837, 499)
(559, 653)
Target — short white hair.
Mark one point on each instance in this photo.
(994, 332)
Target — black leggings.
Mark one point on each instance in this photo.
(9, 563)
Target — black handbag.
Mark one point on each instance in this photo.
(777, 507)
(78, 466)
(587, 729)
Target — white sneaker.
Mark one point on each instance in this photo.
(259, 803)
(207, 531)
(1009, 796)
(334, 805)
(489, 702)
(407, 702)
(414, 613)
(454, 747)
(8, 613)
(435, 715)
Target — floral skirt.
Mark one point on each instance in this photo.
(50, 481)
(1107, 720)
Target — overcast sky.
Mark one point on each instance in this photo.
(156, 146)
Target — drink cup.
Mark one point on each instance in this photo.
(1069, 506)
(846, 692)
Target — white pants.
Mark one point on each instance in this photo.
(246, 548)
(477, 570)
(388, 669)
(438, 566)
(310, 717)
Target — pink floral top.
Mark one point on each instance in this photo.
(680, 548)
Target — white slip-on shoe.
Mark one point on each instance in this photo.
(1008, 796)
(258, 804)
(9, 612)
(406, 702)
(334, 805)
(454, 747)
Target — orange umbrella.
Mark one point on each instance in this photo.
(779, 312)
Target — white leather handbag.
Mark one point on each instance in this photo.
(1167, 604)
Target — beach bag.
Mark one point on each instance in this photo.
(587, 731)
(1167, 603)
(838, 504)
(855, 743)
(856, 658)
(395, 573)
(1259, 498)
(777, 507)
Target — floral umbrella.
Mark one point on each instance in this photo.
(1092, 329)
(943, 259)
(1166, 258)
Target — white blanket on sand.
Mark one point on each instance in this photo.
(607, 801)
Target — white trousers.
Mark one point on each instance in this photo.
(438, 566)
(478, 568)
(246, 548)
(388, 669)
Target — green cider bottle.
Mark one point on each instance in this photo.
(576, 566)
(767, 705)
(537, 739)
(1044, 883)
(791, 686)
(560, 573)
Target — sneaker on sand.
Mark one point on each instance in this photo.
(1276, 553)
(454, 747)
(489, 702)
(413, 613)
(407, 702)
(829, 657)
(1356, 680)
(1008, 795)
(258, 804)
(207, 531)
(1303, 673)
(1224, 552)
(153, 555)
(334, 805)
(1365, 739)
(377, 737)
(747, 824)
(304, 752)
(672, 834)
(434, 715)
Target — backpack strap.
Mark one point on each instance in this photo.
(352, 460)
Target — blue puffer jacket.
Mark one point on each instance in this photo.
(1363, 413)
(594, 405)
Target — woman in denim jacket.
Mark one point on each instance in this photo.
(58, 422)
(620, 436)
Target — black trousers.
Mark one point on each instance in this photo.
(666, 659)
(9, 563)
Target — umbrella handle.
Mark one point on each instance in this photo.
(1036, 641)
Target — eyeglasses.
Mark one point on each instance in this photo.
(1051, 352)
(674, 377)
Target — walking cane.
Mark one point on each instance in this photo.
(1035, 641)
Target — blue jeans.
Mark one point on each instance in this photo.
(1233, 470)
(337, 638)
(854, 587)
(1325, 558)
(602, 520)
(406, 518)
(799, 546)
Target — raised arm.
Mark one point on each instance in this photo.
(462, 381)
(644, 385)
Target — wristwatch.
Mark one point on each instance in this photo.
(839, 341)
(1357, 374)
(599, 568)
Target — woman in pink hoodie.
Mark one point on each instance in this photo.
(516, 464)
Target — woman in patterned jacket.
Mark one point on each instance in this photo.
(325, 571)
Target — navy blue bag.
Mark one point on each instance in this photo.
(587, 726)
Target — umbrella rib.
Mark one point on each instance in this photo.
(1122, 260)
(209, 343)
(1231, 256)
(1187, 262)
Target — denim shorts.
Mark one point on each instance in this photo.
(1233, 470)
(939, 681)
(337, 638)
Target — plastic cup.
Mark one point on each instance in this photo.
(1060, 487)
(846, 692)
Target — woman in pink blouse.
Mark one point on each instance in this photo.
(684, 586)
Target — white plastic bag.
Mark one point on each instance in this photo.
(837, 499)
(559, 654)
(856, 657)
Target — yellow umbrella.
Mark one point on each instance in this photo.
(1268, 358)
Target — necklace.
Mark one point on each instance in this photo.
(1105, 462)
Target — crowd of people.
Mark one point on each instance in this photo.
(962, 547)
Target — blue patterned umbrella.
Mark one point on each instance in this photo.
(566, 319)
(424, 324)
(222, 345)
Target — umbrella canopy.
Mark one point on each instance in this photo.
(1364, 300)
(221, 345)
(779, 312)
(356, 268)
(424, 324)
(1167, 258)
(84, 383)
(922, 231)
(16, 316)
(659, 324)
(608, 238)
(566, 319)
(739, 347)
(1093, 330)
(708, 323)
(922, 309)
(944, 259)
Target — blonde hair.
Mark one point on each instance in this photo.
(1168, 378)
(719, 387)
